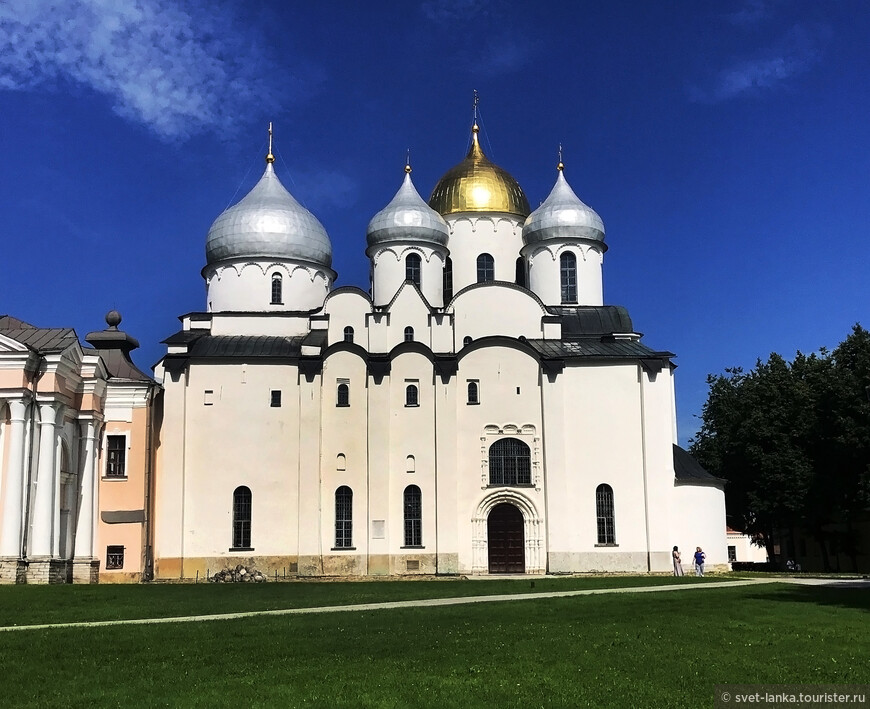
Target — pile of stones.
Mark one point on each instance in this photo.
(239, 574)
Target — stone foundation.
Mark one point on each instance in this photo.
(86, 571)
(48, 571)
(12, 570)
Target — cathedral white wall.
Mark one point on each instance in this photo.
(247, 286)
(475, 234)
(545, 277)
(388, 272)
(493, 309)
(698, 520)
(347, 309)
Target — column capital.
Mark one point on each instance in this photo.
(48, 411)
(17, 409)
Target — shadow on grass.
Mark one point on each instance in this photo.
(854, 597)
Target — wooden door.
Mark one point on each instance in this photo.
(506, 540)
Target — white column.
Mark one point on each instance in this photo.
(85, 528)
(46, 483)
(13, 507)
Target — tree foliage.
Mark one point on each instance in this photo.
(793, 441)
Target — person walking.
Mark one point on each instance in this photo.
(678, 564)
(699, 561)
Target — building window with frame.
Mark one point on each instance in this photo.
(409, 334)
(242, 502)
(116, 456)
(510, 462)
(473, 392)
(277, 289)
(485, 268)
(115, 557)
(568, 271)
(521, 272)
(413, 264)
(732, 554)
(342, 394)
(412, 395)
(604, 513)
(348, 334)
(448, 280)
(344, 518)
(413, 510)
(275, 398)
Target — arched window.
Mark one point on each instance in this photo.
(448, 280)
(510, 462)
(341, 462)
(604, 513)
(485, 268)
(277, 289)
(568, 269)
(412, 395)
(343, 517)
(413, 517)
(521, 272)
(342, 395)
(348, 334)
(242, 518)
(409, 334)
(410, 464)
(412, 268)
(473, 393)
(466, 341)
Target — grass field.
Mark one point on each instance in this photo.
(619, 650)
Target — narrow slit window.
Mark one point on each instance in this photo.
(409, 334)
(473, 393)
(412, 395)
(485, 268)
(342, 394)
(413, 508)
(242, 518)
(604, 513)
(343, 517)
(348, 334)
(568, 270)
(277, 289)
(275, 398)
(413, 264)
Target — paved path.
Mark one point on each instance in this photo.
(458, 601)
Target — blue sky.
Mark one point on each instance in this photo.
(726, 146)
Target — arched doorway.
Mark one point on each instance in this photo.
(506, 541)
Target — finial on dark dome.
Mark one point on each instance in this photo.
(560, 166)
(408, 162)
(113, 319)
(270, 158)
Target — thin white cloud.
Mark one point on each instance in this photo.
(750, 13)
(173, 66)
(509, 52)
(794, 53)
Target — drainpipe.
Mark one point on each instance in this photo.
(148, 568)
(643, 453)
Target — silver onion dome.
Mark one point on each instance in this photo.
(562, 215)
(268, 222)
(407, 218)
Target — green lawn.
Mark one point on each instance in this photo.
(619, 650)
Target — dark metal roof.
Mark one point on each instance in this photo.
(114, 347)
(594, 348)
(183, 337)
(586, 320)
(44, 340)
(246, 346)
(687, 469)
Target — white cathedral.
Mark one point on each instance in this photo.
(480, 411)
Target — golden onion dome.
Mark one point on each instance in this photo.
(478, 185)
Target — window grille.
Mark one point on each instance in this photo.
(409, 334)
(510, 463)
(275, 400)
(116, 456)
(348, 334)
(412, 397)
(342, 396)
(115, 557)
(277, 288)
(343, 517)
(485, 268)
(732, 554)
(568, 268)
(413, 517)
(242, 518)
(604, 512)
(473, 393)
(412, 268)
